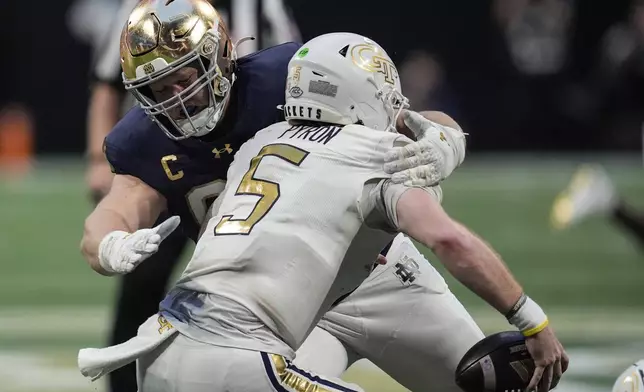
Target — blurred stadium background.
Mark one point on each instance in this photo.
(540, 85)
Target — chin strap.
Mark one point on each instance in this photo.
(239, 42)
(233, 55)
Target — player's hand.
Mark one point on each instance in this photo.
(432, 158)
(550, 359)
(121, 252)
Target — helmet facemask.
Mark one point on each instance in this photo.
(393, 101)
(198, 107)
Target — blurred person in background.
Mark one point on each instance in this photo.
(592, 193)
(141, 291)
(537, 36)
(537, 33)
(618, 80)
(90, 21)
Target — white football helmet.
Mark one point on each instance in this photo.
(632, 380)
(344, 78)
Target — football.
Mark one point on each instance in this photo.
(498, 363)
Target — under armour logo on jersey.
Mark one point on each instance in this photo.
(218, 152)
(407, 270)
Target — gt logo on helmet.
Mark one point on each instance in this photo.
(368, 57)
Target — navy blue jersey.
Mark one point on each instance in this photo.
(191, 173)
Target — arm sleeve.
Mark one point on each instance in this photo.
(381, 199)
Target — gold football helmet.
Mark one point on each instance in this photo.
(177, 60)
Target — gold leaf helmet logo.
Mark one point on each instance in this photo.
(148, 68)
(372, 59)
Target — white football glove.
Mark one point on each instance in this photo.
(432, 158)
(121, 252)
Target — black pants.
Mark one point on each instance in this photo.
(138, 298)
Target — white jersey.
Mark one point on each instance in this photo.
(298, 225)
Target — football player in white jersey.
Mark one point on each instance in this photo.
(306, 209)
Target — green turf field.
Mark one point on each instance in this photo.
(52, 304)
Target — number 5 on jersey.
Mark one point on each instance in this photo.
(267, 191)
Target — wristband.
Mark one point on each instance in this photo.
(527, 316)
(516, 306)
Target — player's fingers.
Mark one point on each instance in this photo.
(411, 162)
(536, 377)
(151, 248)
(395, 166)
(423, 178)
(407, 177)
(557, 373)
(398, 153)
(135, 258)
(546, 379)
(127, 268)
(400, 177)
(142, 246)
(564, 360)
(382, 260)
(420, 180)
(429, 181)
(153, 239)
(392, 155)
(426, 176)
(167, 227)
(415, 122)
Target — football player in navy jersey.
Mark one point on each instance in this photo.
(198, 104)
